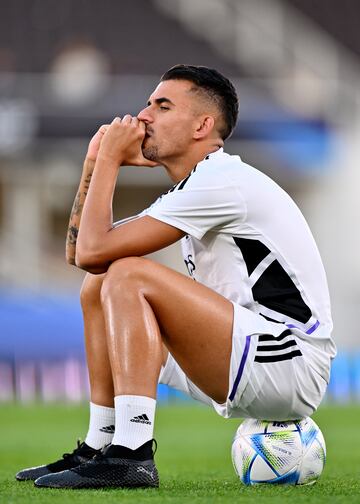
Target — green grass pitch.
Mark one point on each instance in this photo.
(193, 458)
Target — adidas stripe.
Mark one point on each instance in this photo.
(276, 358)
(273, 351)
(268, 348)
(270, 337)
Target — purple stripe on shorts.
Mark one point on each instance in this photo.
(312, 329)
(241, 368)
(309, 331)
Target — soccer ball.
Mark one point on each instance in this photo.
(291, 453)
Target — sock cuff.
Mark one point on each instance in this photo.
(106, 410)
(135, 400)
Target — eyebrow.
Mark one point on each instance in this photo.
(159, 101)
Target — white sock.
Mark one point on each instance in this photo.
(101, 426)
(134, 420)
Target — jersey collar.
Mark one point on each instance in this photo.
(219, 151)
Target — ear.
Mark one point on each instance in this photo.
(204, 127)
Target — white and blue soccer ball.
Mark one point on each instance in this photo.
(291, 453)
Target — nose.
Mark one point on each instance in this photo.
(144, 115)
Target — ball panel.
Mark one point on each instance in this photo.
(242, 457)
(313, 461)
(290, 478)
(251, 426)
(308, 431)
(261, 471)
(280, 450)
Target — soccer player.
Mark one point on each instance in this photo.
(249, 333)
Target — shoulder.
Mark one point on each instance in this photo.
(220, 160)
(221, 164)
(212, 171)
(232, 168)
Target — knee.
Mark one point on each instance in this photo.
(123, 275)
(90, 290)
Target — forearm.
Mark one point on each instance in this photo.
(97, 214)
(76, 211)
(98, 243)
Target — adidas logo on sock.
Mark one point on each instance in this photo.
(109, 429)
(141, 419)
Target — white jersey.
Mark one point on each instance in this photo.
(247, 240)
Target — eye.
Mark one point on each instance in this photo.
(162, 107)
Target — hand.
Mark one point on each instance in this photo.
(122, 142)
(94, 144)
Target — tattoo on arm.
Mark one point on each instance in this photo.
(87, 183)
(71, 244)
(76, 211)
(78, 204)
(73, 232)
(77, 207)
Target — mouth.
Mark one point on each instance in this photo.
(148, 132)
(145, 140)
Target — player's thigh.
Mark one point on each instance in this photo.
(195, 321)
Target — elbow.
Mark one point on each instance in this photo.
(90, 261)
(83, 260)
(70, 259)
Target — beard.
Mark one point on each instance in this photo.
(151, 153)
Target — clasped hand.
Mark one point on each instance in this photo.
(121, 142)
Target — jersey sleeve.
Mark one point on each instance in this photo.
(197, 204)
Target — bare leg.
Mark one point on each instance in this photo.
(101, 384)
(99, 369)
(144, 304)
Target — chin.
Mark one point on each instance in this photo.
(151, 153)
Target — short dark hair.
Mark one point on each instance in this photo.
(217, 87)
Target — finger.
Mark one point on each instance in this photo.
(103, 128)
(135, 121)
(127, 119)
(142, 126)
(116, 120)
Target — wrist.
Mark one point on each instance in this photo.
(109, 161)
(89, 162)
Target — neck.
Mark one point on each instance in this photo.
(180, 167)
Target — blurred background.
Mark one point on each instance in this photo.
(67, 67)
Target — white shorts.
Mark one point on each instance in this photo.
(272, 374)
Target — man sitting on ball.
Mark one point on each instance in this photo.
(251, 337)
